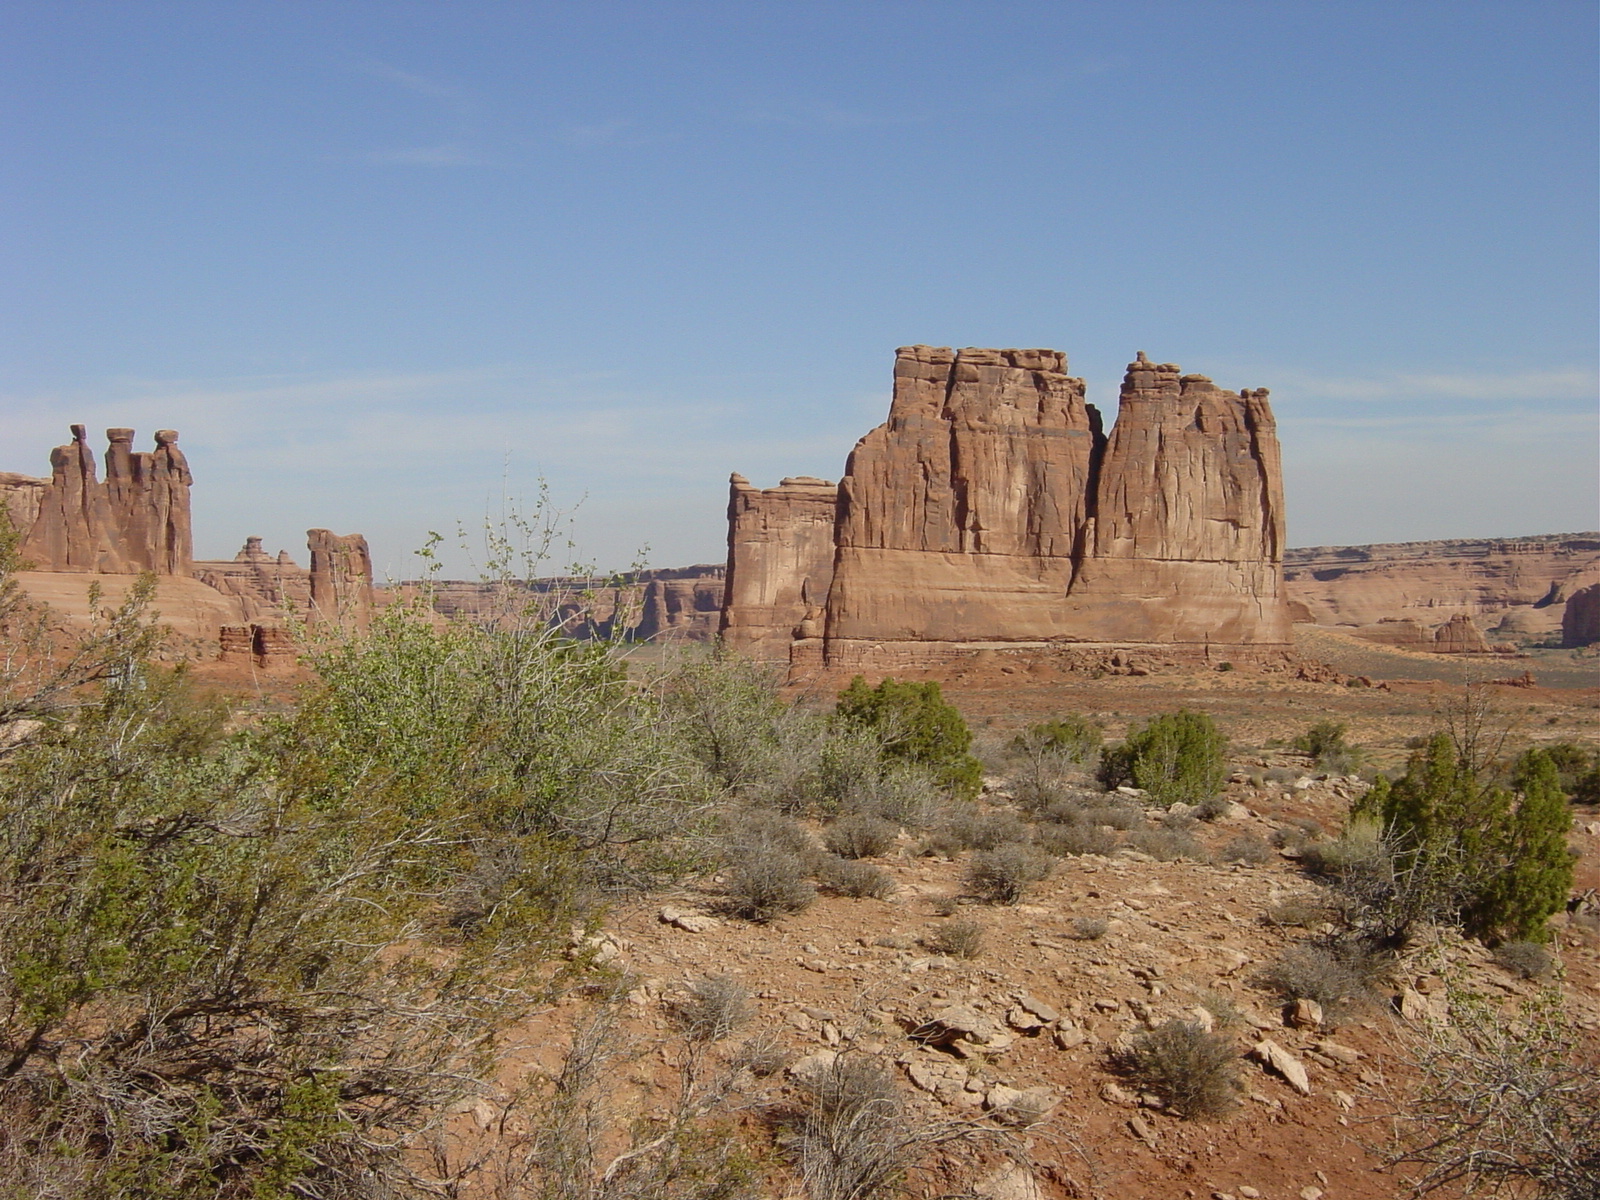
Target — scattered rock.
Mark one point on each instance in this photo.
(1305, 1014)
(1338, 1052)
(1011, 1182)
(1141, 1130)
(1273, 1056)
(687, 921)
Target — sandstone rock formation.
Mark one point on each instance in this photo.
(137, 520)
(341, 579)
(780, 562)
(1514, 587)
(1580, 624)
(991, 510)
(1459, 635)
(266, 585)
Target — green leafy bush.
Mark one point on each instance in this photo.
(914, 723)
(1324, 742)
(280, 950)
(1176, 756)
(1494, 859)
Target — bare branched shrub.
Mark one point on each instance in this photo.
(848, 877)
(762, 1056)
(1247, 848)
(1193, 1072)
(764, 883)
(1065, 840)
(558, 1141)
(860, 835)
(1526, 960)
(960, 938)
(1089, 929)
(857, 1138)
(1508, 1102)
(1002, 875)
(713, 1008)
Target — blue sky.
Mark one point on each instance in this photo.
(382, 262)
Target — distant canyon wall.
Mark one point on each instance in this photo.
(666, 604)
(1406, 593)
(992, 509)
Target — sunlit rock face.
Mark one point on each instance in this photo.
(990, 509)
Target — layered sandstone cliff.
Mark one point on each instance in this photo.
(780, 562)
(1580, 622)
(991, 509)
(1513, 588)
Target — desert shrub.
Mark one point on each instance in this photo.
(855, 1139)
(1002, 875)
(1193, 1072)
(1176, 822)
(1077, 812)
(1280, 775)
(1089, 929)
(1527, 960)
(726, 711)
(1075, 737)
(1507, 1102)
(1067, 840)
(1042, 755)
(995, 829)
(1297, 913)
(713, 1008)
(859, 835)
(1325, 745)
(1338, 976)
(751, 828)
(1496, 856)
(959, 938)
(914, 723)
(848, 877)
(1165, 846)
(1176, 756)
(764, 882)
(1573, 763)
(906, 794)
(1247, 848)
(281, 949)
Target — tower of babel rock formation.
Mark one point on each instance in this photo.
(990, 510)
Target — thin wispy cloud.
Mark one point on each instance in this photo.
(429, 156)
(412, 82)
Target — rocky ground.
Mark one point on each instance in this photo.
(1020, 1038)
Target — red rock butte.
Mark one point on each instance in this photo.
(991, 512)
